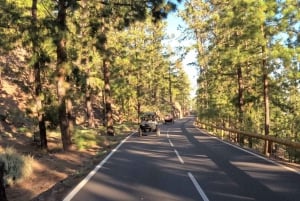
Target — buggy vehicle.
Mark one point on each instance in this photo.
(169, 118)
(149, 122)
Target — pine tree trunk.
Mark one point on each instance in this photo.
(38, 82)
(85, 61)
(0, 79)
(240, 102)
(138, 91)
(89, 110)
(43, 133)
(108, 102)
(170, 94)
(64, 112)
(104, 109)
(204, 85)
(267, 147)
(267, 112)
(40, 114)
(66, 123)
(138, 105)
(2, 187)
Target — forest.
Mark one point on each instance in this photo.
(97, 65)
(83, 69)
(248, 58)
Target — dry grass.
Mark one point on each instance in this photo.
(17, 167)
(51, 174)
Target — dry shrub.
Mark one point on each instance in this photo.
(16, 166)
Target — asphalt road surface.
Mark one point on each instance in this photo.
(185, 164)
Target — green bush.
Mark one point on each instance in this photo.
(294, 154)
(51, 115)
(85, 138)
(125, 127)
(16, 166)
(23, 129)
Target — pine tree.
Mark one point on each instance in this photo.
(63, 69)
(38, 63)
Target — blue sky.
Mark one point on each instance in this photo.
(172, 29)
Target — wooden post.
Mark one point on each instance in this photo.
(2, 187)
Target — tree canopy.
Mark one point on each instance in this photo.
(101, 60)
(248, 55)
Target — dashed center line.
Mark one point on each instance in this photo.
(172, 145)
(191, 176)
(198, 187)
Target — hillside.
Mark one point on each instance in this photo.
(54, 172)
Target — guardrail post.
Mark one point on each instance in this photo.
(158, 131)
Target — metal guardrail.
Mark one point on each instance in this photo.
(287, 142)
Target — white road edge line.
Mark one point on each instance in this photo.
(198, 187)
(93, 172)
(178, 156)
(254, 154)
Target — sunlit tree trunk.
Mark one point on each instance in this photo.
(108, 102)
(266, 96)
(267, 111)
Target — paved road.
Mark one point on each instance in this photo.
(184, 164)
